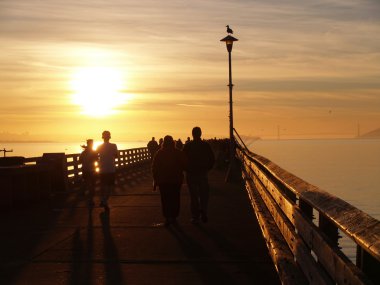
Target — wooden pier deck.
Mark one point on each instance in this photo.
(63, 242)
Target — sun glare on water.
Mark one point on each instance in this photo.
(98, 90)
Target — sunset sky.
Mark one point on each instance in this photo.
(70, 69)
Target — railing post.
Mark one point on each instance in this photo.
(57, 164)
(76, 168)
(368, 264)
(329, 229)
(123, 158)
(306, 209)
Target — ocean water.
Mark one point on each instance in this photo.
(349, 169)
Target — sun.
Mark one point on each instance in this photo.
(98, 90)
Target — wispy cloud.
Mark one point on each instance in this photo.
(290, 54)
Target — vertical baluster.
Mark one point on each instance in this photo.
(76, 168)
(123, 158)
(368, 264)
(306, 209)
(329, 229)
(307, 212)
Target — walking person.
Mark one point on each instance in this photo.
(87, 158)
(107, 168)
(167, 167)
(153, 147)
(179, 144)
(160, 141)
(200, 159)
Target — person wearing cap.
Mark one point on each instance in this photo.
(107, 168)
(87, 158)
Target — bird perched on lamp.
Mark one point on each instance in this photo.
(229, 30)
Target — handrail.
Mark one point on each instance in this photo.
(240, 139)
(127, 158)
(41, 177)
(292, 202)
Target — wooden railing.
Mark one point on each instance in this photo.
(300, 223)
(127, 158)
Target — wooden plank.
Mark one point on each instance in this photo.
(282, 257)
(313, 273)
(285, 205)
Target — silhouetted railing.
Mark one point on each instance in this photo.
(301, 248)
(36, 178)
(127, 158)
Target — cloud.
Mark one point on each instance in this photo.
(319, 84)
(289, 55)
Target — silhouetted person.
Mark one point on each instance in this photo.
(160, 141)
(187, 140)
(200, 160)
(152, 147)
(87, 158)
(179, 144)
(167, 167)
(107, 168)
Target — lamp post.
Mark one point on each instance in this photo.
(229, 40)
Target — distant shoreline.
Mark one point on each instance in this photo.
(12, 141)
(264, 139)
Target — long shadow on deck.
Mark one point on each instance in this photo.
(24, 230)
(208, 269)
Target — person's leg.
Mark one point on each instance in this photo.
(164, 200)
(194, 198)
(90, 187)
(103, 185)
(107, 181)
(204, 192)
(174, 201)
(112, 184)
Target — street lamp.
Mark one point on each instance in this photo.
(229, 40)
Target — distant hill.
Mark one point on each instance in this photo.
(375, 134)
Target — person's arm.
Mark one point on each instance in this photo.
(156, 168)
(81, 157)
(211, 157)
(116, 152)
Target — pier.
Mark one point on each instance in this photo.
(270, 227)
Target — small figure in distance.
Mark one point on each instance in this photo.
(107, 168)
(179, 144)
(152, 147)
(167, 168)
(187, 140)
(160, 141)
(87, 158)
(200, 159)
